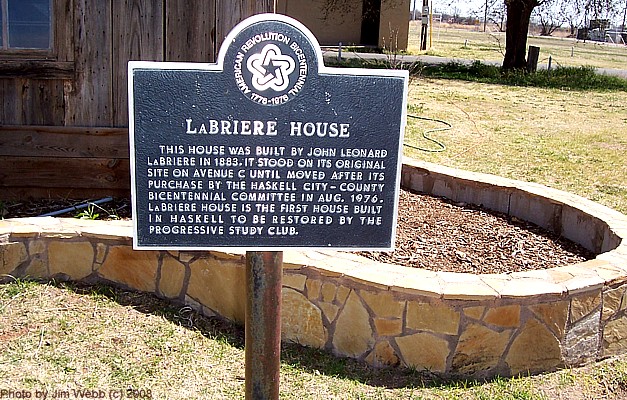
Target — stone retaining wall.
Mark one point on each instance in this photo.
(449, 323)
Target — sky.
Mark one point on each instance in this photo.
(448, 6)
(466, 7)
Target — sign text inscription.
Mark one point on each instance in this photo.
(265, 149)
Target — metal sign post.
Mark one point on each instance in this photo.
(265, 150)
(264, 271)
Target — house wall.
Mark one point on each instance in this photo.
(61, 110)
(394, 25)
(82, 81)
(345, 25)
(337, 27)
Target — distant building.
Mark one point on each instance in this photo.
(377, 23)
(599, 31)
(601, 24)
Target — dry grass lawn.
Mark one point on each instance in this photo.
(64, 339)
(474, 44)
(570, 140)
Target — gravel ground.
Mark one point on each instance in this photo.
(432, 233)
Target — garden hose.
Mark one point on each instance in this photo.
(425, 135)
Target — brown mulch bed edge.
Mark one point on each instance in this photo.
(432, 233)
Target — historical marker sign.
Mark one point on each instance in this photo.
(267, 149)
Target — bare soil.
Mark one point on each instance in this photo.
(432, 233)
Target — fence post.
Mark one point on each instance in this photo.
(532, 58)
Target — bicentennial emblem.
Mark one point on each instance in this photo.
(270, 68)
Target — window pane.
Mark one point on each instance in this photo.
(29, 24)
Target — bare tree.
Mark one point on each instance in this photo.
(601, 9)
(579, 13)
(497, 14)
(517, 17)
(573, 14)
(549, 17)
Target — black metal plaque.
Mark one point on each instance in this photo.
(267, 148)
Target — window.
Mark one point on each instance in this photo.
(26, 24)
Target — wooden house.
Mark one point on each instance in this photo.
(63, 83)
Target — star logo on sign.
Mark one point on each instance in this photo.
(270, 69)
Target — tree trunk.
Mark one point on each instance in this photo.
(518, 17)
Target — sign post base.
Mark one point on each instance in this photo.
(264, 272)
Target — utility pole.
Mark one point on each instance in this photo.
(485, 15)
(425, 24)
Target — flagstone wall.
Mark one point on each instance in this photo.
(449, 323)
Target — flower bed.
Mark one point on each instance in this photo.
(450, 323)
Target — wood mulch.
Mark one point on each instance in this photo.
(439, 235)
(432, 233)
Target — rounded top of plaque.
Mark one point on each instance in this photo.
(272, 57)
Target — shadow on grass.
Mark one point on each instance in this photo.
(295, 356)
(148, 303)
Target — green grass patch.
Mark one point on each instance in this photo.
(17, 288)
(613, 375)
(562, 78)
(564, 129)
(565, 78)
(474, 44)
